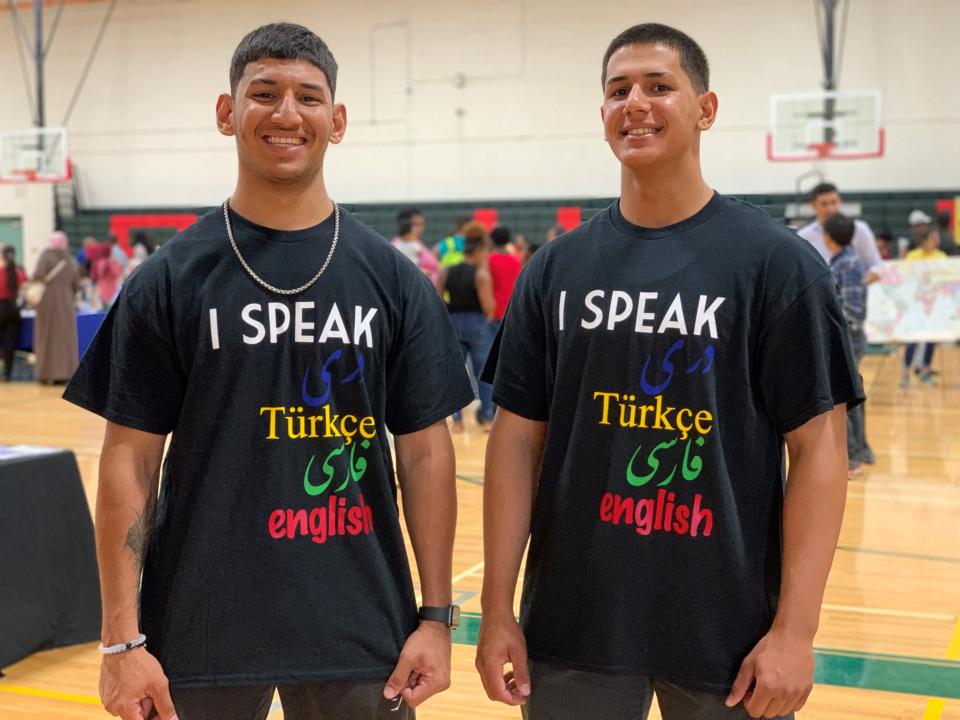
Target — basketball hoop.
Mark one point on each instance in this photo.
(834, 125)
(821, 149)
(35, 155)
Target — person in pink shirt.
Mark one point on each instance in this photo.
(409, 241)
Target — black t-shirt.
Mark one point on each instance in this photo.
(669, 363)
(277, 554)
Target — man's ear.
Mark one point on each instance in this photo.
(339, 127)
(225, 114)
(708, 110)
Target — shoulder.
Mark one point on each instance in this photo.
(763, 236)
(810, 230)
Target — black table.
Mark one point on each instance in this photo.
(49, 589)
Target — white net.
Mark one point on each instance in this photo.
(841, 125)
(37, 154)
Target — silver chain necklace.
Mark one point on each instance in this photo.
(263, 283)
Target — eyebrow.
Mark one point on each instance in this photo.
(268, 81)
(621, 78)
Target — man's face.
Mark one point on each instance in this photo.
(651, 111)
(283, 117)
(920, 230)
(417, 226)
(825, 205)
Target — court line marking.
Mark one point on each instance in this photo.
(894, 553)
(467, 573)
(942, 617)
(912, 499)
(936, 706)
(50, 694)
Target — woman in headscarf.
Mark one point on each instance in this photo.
(12, 277)
(55, 328)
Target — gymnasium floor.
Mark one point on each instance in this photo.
(889, 640)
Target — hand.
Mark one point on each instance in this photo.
(501, 641)
(776, 677)
(133, 685)
(423, 669)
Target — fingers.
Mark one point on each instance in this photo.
(758, 701)
(160, 694)
(741, 684)
(493, 679)
(510, 688)
(130, 711)
(400, 678)
(521, 671)
(426, 686)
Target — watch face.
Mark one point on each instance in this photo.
(454, 616)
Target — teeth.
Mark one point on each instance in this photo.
(643, 131)
(284, 141)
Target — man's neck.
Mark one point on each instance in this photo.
(654, 199)
(282, 207)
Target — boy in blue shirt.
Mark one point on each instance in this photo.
(850, 276)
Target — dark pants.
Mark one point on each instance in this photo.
(856, 418)
(342, 700)
(475, 342)
(558, 694)
(9, 325)
(927, 355)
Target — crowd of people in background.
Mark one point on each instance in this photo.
(88, 280)
(856, 258)
(474, 269)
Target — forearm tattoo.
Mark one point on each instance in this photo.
(139, 533)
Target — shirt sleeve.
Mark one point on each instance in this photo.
(866, 245)
(426, 375)
(806, 364)
(131, 374)
(517, 365)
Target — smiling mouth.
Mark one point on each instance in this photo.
(284, 142)
(640, 132)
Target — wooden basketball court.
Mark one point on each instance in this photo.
(889, 642)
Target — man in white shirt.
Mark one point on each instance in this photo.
(825, 201)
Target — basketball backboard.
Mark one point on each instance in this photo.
(34, 155)
(838, 125)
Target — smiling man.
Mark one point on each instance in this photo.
(277, 340)
(649, 369)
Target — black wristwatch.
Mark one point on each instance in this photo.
(449, 615)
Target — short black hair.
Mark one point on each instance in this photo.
(692, 58)
(944, 219)
(885, 234)
(283, 41)
(500, 235)
(840, 229)
(405, 219)
(822, 189)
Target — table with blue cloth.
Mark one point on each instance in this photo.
(49, 588)
(87, 325)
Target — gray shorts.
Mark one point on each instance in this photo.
(342, 700)
(558, 694)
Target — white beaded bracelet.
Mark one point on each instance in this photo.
(123, 647)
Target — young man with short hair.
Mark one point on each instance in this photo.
(651, 364)
(825, 201)
(851, 282)
(278, 339)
